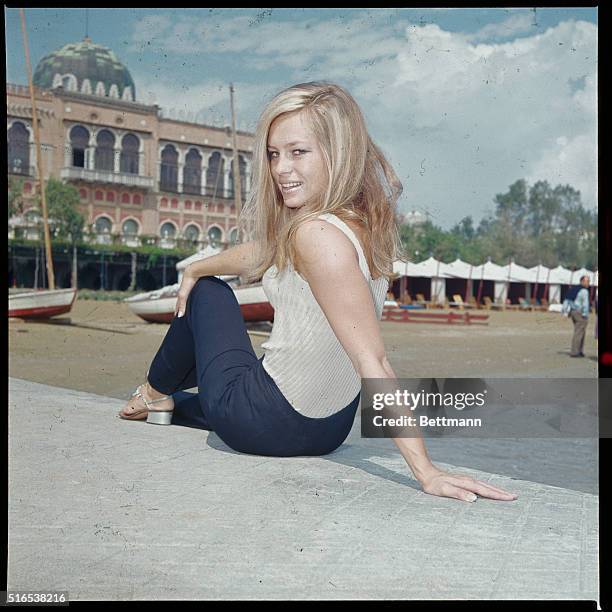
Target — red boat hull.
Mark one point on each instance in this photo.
(250, 312)
(19, 307)
(39, 313)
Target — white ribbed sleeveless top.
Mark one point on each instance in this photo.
(303, 355)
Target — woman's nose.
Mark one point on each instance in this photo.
(284, 165)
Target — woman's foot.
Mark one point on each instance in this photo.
(143, 400)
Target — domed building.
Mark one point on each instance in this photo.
(143, 178)
(85, 67)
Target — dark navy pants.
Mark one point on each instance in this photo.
(209, 348)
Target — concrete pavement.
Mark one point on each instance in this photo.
(109, 509)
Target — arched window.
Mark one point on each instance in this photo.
(214, 236)
(214, 175)
(103, 225)
(99, 195)
(79, 139)
(125, 198)
(169, 169)
(191, 233)
(192, 173)
(242, 166)
(83, 194)
(18, 149)
(167, 230)
(130, 228)
(187, 204)
(174, 203)
(163, 203)
(234, 236)
(110, 196)
(129, 154)
(104, 151)
(136, 199)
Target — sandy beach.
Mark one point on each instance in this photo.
(101, 347)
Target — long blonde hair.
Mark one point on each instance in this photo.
(362, 185)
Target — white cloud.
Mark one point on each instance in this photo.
(461, 117)
(521, 23)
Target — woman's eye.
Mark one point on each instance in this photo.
(299, 151)
(271, 154)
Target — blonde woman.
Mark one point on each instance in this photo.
(323, 235)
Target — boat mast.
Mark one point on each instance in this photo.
(236, 163)
(39, 159)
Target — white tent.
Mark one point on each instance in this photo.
(490, 271)
(438, 271)
(580, 273)
(459, 269)
(518, 274)
(430, 268)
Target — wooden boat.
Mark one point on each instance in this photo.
(158, 306)
(41, 303)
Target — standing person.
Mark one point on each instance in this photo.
(322, 211)
(579, 313)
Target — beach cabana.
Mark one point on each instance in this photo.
(426, 277)
(491, 281)
(558, 278)
(540, 287)
(519, 281)
(459, 279)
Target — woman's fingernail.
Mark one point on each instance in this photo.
(180, 314)
(472, 497)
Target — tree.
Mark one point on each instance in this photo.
(15, 196)
(65, 220)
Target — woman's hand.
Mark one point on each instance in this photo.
(460, 486)
(187, 283)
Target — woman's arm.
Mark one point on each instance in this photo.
(235, 260)
(328, 261)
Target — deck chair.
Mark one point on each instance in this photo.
(457, 301)
(490, 304)
(420, 299)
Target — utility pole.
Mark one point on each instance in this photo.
(236, 163)
(39, 159)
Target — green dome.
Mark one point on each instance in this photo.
(87, 68)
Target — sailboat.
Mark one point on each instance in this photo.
(40, 303)
(158, 306)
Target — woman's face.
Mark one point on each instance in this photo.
(296, 160)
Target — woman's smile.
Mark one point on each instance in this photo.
(289, 188)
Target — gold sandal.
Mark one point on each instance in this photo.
(157, 417)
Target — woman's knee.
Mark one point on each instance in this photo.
(205, 285)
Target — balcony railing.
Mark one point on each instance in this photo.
(103, 176)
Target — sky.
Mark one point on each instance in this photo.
(463, 102)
